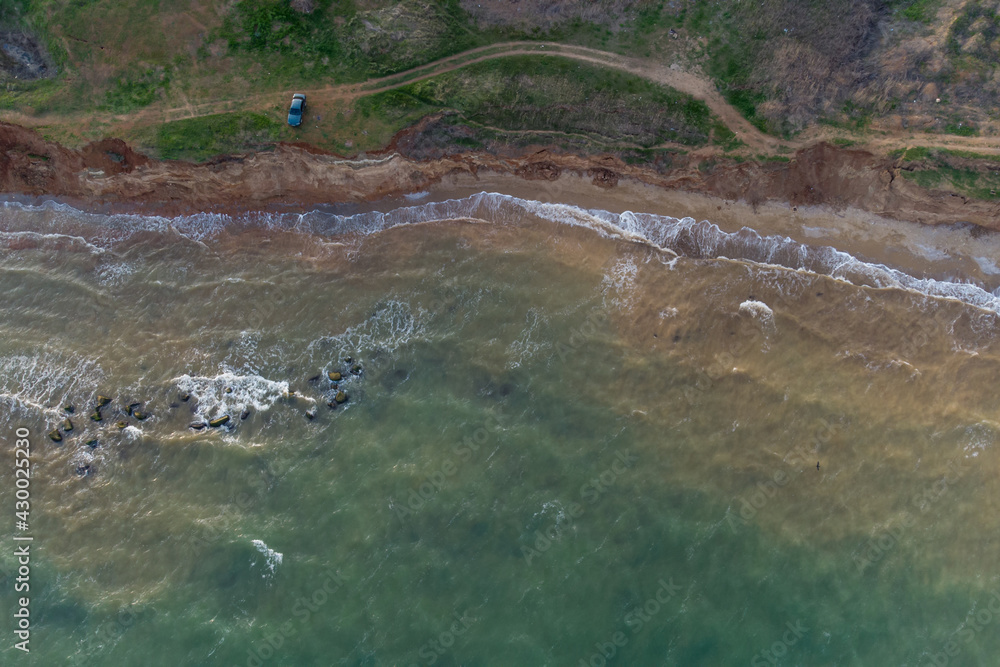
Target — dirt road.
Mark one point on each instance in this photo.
(688, 81)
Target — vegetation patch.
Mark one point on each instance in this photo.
(556, 95)
(976, 32)
(920, 11)
(958, 171)
(200, 138)
(337, 39)
(134, 91)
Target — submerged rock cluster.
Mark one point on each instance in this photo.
(332, 391)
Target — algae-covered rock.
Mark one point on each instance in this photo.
(96, 416)
(67, 425)
(102, 401)
(341, 397)
(132, 407)
(55, 436)
(245, 414)
(197, 425)
(219, 421)
(311, 414)
(334, 376)
(140, 415)
(92, 443)
(121, 425)
(69, 408)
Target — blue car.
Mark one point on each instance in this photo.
(298, 108)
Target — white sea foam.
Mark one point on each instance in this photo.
(528, 345)
(52, 239)
(34, 383)
(392, 324)
(251, 391)
(272, 558)
(758, 310)
(683, 236)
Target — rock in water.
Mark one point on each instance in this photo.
(102, 401)
(311, 414)
(334, 376)
(83, 471)
(245, 414)
(356, 369)
(54, 434)
(70, 409)
(141, 416)
(96, 416)
(219, 421)
(67, 425)
(132, 407)
(121, 425)
(198, 425)
(341, 397)
(185, 397)
(92, 443)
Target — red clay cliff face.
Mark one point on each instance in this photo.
(109, 173)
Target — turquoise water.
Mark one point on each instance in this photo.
(566, 444)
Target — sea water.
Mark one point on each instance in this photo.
(569, 436)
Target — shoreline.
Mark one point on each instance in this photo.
(109, 177)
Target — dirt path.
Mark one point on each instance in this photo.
(687, 81)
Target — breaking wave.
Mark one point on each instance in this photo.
(677, 236)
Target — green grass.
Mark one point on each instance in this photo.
(137, 90)
(723, 136)
(940, 171)
(197, 139)
(552, 94)
(961, 129)
(969, 155)
(916, 153)
(12, 11)
(920, 11)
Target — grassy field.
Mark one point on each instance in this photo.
(515, 101)
(784, 64)
(971, 174)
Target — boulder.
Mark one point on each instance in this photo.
(67, 425)
(92, 443)
(245, 414)
(121, 425)
(334, 376)
(102, 401)
(341, 397)
(96, 416)
(219, 421)
(197, 425)
(141, 416)
(54, 434)
(311, 414)
(70, 409)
